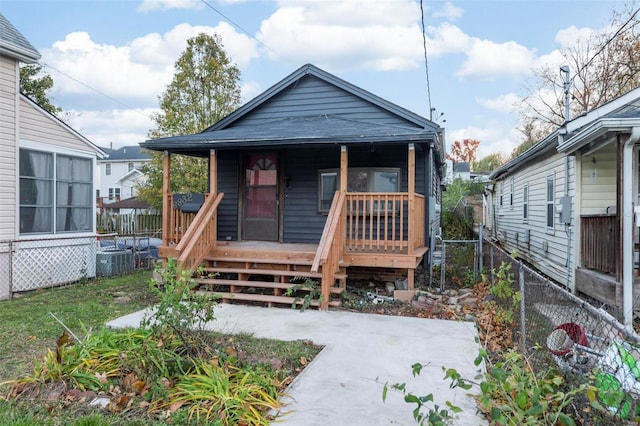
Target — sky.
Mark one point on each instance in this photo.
(111, 60)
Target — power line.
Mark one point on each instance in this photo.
(426, 60)
(238, 26)
(96, 90)
(601, 49)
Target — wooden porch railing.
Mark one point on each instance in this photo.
(179, 222)
(381, 221)
(331, 247)
(599, 243)
(200, 236)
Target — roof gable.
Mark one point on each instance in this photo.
(14, 44)
(61, 124)
(310, 91)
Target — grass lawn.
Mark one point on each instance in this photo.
(28, 331)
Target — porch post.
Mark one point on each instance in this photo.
(344, 167)
(411, 179)
(213, 173)
(166, 199)
(628, 225)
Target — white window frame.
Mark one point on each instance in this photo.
(501, 195)
(130, 166)
(525, 203)
(55, 151)
(370, 173)
(107, 169)
(511, 187)
(550, 203)
(114, 193)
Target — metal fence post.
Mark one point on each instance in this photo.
(491, 263)
(523, 326)
(480, 248)
(443, 265)
(11, 270)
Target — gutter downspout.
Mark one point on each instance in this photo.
(628, 223)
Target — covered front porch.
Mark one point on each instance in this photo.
(361, 229)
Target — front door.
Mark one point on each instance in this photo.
(260, 197)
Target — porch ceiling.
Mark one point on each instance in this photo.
(306, 130)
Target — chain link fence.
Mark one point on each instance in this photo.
(583, 340)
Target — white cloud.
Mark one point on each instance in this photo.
(380, 35)
(98, 126)
(503, 103)
(487, 59)
(149, 5)
(573, 35)
(496, 137)
(138, 70)
(249, 90)
(449, 11)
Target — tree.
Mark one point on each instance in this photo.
(36, 84)
(603, 66)
(463, 152)
(204, 89)
(488, 163)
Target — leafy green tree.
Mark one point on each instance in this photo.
(36, 84)
(488, 163)
(205, 88)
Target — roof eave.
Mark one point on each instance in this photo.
(27, 56)
(597, 129)
(541, 148)
(183, 144)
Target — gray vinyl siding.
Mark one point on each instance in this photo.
(598, 189)
(8, 146)
(228, 184)
(510, 227)
(312, 96)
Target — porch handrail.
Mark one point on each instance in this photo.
(201, 235)
(331, 247)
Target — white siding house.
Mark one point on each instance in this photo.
(119, 174)
(567, 204)
(47, 211)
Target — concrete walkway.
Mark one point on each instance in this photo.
(343, 385)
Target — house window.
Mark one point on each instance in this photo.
(358, 180)
(114, 193)
(55, 193)
(501, 197)
(511, 194)
(525, 203)
(550, 196)
(107, 169)
(130, 166)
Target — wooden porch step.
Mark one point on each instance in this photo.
(270, 299)
(273, 272)
(261, 261)
(259, 284)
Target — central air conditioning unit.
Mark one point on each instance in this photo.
(114, 262)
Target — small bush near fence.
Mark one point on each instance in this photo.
(558, 332)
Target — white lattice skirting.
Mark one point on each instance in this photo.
(47, 263)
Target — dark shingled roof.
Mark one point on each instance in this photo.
(318, 130)
(14, 44)
(127, 153)
(461, 167)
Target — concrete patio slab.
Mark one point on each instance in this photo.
(343, 385)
